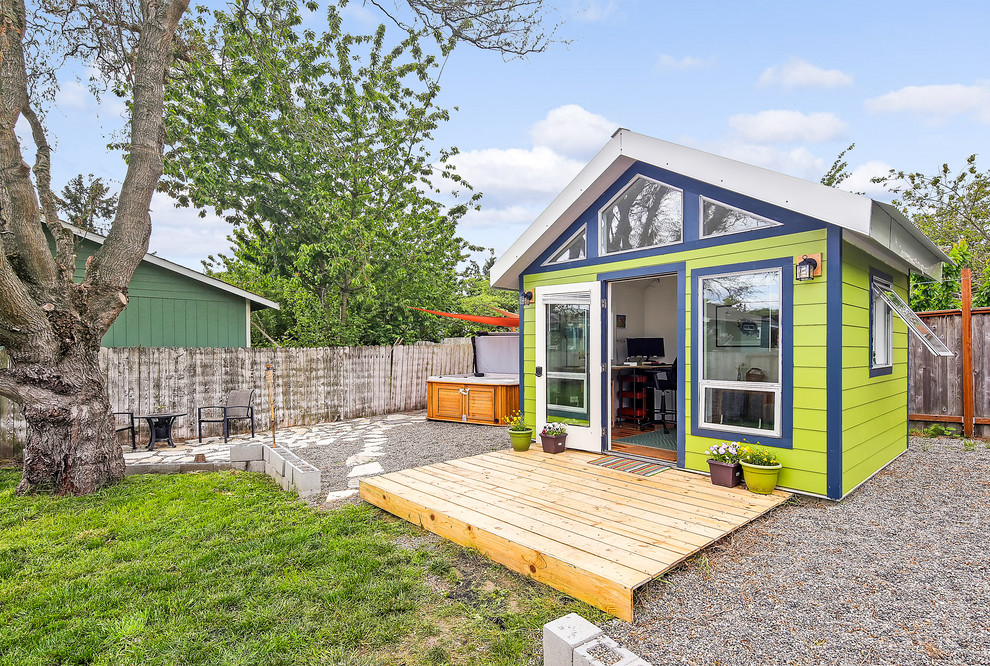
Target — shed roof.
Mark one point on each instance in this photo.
(257, 302)
(877, 227)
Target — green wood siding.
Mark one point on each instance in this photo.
(166, 309)
(874, 410)
(804, 465)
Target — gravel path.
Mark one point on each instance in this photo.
(395, 442)
(897, 573)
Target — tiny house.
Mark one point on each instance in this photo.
(674, 299)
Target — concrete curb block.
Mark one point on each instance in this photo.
(573, 641)
(287, 469)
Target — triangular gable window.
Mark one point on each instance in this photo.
(645, 214)
(718, 219)
(913, 321)
(575, 249)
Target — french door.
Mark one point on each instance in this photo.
(568, 361)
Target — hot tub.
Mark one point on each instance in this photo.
(487, 400)
(488, 395)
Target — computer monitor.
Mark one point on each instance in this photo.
(647, 347)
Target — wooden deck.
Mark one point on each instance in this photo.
(593, 533)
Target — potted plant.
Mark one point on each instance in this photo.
(723, 463)
(760, 469)
(553, 437)
(519, 433)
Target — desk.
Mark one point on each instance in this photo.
(160, 425)
(634, 397)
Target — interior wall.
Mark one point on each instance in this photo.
(650, 307)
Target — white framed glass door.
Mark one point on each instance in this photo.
(568, 361)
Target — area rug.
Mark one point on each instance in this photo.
(656, 439)
(628, 465)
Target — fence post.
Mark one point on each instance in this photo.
(967, 352)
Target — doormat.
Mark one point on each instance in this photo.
(656, 439)
(629, 465)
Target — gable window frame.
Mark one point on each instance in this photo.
(583, 229)
(603, 235)
(881, 326)
(757, 387)
(701, 219)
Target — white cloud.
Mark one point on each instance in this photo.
(859, 179)
(595, 10)
(936, 102)
(668, 63)
(797, 73)
(516, 175)
(73, 95)
(785, 126)
(181, 236)
(571, 130)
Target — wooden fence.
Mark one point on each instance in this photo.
(311, 385)
(938, 386)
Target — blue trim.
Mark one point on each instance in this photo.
(785, 441)
(791, 222)
(883, 370)
(522, 349)
(833, 358)
(678, 269)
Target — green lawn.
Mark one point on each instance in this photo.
(228, 569)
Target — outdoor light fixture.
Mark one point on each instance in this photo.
(807, 268)
(527, 297)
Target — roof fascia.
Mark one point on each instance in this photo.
(182, 270)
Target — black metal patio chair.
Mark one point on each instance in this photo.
(129, 425)
(238, 408)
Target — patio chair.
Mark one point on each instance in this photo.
(127, 426)
(238, 407)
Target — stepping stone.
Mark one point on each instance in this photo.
(341, 494)
(368, 469)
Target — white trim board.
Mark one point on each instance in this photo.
(880, 223)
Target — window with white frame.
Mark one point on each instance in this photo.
(882, 320)
(739, 339)
(647, 213)
(718, 219)
(573, 250)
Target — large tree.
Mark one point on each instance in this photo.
(50, 326)
(327, 176)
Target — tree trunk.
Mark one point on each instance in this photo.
(71, 443)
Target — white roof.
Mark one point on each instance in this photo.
(882, 229)
(182, 270)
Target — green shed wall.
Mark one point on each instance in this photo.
(874, 409)
(167, 309)
(804, 464)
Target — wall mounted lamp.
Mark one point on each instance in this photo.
(527, 297)
(808, 267)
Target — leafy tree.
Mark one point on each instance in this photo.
(327, 177)
(87, 203)
(838, 172)
(949, 207)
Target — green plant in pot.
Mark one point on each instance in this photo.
(553, 437)
(723, 463)
(760, 469)
(520, 434)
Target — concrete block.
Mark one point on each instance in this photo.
(266, 452)
(245, 452)
(306, 481)
(277, 476)
(255, 466)
(276, 462)
(593, 653)
(562, 635)
(198, 467)
(286, 482)
(240, 466)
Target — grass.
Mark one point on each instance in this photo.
(227, 569)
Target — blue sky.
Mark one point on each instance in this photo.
(784, 85)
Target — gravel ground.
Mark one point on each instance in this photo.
(897, 573)
(409, 443)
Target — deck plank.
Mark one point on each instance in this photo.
(592, 532)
